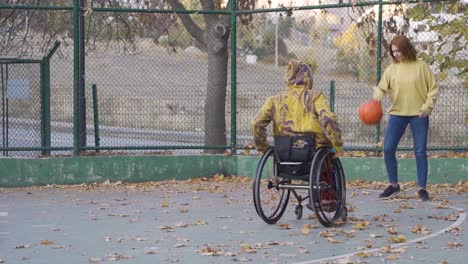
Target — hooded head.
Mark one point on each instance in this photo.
(298, 75)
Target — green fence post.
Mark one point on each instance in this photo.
(45, 105)
(45, 99)
(76, 73)
(96, 117)
(233, 76)
(379, 61)
(332, 95)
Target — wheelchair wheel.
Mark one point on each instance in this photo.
(328, 188)
(270, 201)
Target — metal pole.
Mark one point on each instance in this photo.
(81, 79)
(3, 83)
(332, 95)
(45, 99)
(379, 58)
(276, 40)
(6, 110)
(97, 139)
(233, 77)
(45, 106)
(76, 74)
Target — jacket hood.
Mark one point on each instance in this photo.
(298, 76)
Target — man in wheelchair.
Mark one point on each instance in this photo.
(307, 144)
(298, 111)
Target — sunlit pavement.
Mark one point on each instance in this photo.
(215, 222)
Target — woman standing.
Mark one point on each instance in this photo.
(411, 87)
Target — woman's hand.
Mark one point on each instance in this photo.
(423, 114)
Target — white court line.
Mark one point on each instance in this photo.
(4, 233)
(457, 223)
(3, 213)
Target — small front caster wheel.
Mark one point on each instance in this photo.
(298, 212)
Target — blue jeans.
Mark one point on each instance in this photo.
(395, 129)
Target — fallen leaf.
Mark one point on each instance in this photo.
(200, 222)
(95, 260)
(419, 229)
(242, 259)
(46, 242)
(397, 239)
(363, 254)
(453, 245)
(361, 225)
(208, 251)
(167, 228)
(247, 248)
(325, 233)
(22, 246)
(180, 245)
(331, 240)
(386, 249)
(392, 231)
(406, 206)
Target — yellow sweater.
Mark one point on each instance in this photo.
(410, 86)
(297, 111)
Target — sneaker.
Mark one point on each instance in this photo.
(423, 195)
(390, 192)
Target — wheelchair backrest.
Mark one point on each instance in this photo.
(294, 148)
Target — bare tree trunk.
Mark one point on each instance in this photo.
(215, 103)
(215, 39)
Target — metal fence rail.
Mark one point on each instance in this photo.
(151, 79)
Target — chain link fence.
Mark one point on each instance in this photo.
(20, 105)
(155, 82)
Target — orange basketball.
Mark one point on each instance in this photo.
(370, 112)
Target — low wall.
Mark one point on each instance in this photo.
(16, 172)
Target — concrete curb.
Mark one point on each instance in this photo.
(20, 172)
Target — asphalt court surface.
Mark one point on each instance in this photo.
(214, 221)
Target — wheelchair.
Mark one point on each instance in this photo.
(318, 177)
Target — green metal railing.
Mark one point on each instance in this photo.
(161, 110)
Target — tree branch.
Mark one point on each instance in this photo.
(195, 31)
